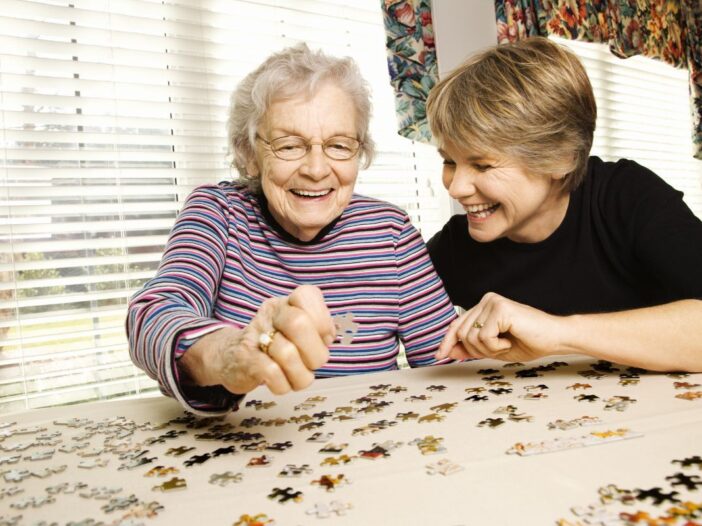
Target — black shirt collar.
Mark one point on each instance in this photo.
(284, 234)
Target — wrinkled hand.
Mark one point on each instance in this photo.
(302, 330)
(503, 329)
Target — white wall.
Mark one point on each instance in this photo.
(461, 27)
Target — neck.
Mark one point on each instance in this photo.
(549, 221)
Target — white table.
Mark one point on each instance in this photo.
(492, 487)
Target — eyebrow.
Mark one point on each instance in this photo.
(470, 158)
(290, 132)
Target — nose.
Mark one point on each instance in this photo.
(462, 182)
(315, 163)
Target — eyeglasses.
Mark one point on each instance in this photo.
(294, 148)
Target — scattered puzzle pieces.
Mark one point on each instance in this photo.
(691, 482)
(291, 470)
(612, 493)
(197, 459)
(260, 519)
(171, 485)
(333, 448)
(444, 408)
(120, 503)
(689, 462)
(177, 451)
(429, 445)
(226, 478)
(597, 514)
(656, 495)
(161, 471)
(34, 502)
(334, 461)
(323, 511)
(564, 425)
(100, 493)
(431, 417)
(578, 385)
(261, 461)
(572, 442)
(283, 495)
(491, 422)
(690, 395)
(330, 482)
(443, 467)
(95, 443)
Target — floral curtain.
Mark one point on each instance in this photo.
(669, 30)
(411, 62)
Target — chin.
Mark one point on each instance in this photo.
(482, 237)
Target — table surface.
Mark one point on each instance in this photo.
(488, 486)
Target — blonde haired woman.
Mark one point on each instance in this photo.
(557, 252)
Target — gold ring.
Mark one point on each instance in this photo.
(478, 324)
(265, 340)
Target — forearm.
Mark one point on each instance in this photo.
(200, 364)
(154, 327)
(661, 338)
(425, 310)
(422, 341)
(181, 296)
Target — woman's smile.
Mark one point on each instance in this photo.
(481, 211)
(311, 194)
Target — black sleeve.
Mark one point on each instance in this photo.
(440, 252)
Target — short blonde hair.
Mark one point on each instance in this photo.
(291, 72)
(530, 101)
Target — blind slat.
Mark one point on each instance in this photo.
(644, 115)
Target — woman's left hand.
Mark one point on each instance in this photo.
(500, 328)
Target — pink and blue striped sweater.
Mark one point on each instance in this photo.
(226, 254)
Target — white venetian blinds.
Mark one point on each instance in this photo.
(111, 111)
(643, 114)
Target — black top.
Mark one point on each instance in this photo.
(628, 240)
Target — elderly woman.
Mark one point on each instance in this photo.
(557, 252)
(286, 274)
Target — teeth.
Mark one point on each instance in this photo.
(472, 209)
(309, 193)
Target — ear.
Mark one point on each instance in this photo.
(252, 169)
(560, 172)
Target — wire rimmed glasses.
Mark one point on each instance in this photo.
(294, 148)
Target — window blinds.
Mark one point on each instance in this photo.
(112, 111)
(643, 114)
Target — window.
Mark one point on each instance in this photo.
(112, 111)
(643, 114)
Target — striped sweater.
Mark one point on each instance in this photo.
(226, 255)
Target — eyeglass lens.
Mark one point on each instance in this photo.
(294, 147)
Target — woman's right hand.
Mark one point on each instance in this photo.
(301, 328)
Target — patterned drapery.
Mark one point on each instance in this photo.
(669, 30)
(411, 62)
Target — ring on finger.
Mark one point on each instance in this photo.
(265, 339)
(478, 324)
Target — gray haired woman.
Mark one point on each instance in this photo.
(286, 274)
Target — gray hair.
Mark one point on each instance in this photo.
(288, 73)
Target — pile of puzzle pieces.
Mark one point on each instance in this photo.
(675, 506)
(369, 428)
